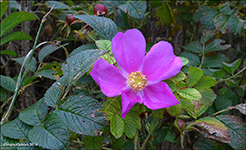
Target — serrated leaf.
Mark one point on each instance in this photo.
(235, 24)
(158, 113)
(116, 126)
(232, 67)
(241, 108)
(103, 44)
(52, 135)
(194, 74)
(33, 63)
(206, 35)
(220, 22)
(111, 106)
(179, 77)
(80, 63)
(102, 25)
(129, 128)
(93, 143)
(82, 48)
(216, 45)
(237, 130)
(35, 114)
(10, 22)
(205, 83)
(194, 60)
(81, 114)
(214, 129)
(8, 52)
(226, 9)
(164, 14)
(214, 61)
(208, 19)
(53, 94)
(219, 74)
(58, 5)
(185, 61)
(48, 73)
(7, 83)
(201, 12)
(135, 9)
(190, 93)
(8, 143)
(194, 47)
(208, 97)
(175, 110)
(16, 35)
(16, 129)
(45, 51)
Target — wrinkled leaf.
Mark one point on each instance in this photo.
(237, 130)
(216, 45)
(206, 35)
(82, 48)
(132, 122)
(81, 114)
(214, 129)
(194, 74)
(35, 114)
(205, 83)
(175, 110)
(135, 9)
(93, 143)
(58, 5)
(116, 126)
(16, 129)
(208, 97)
(179, 77)
(52, 135)
(164, 14)
(235, 24)
(241, 108)
(111, 106)
(226, 9)
(102, 25)
(190, 93)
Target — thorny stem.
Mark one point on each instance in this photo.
(27, 59)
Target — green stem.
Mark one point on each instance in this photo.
(229, 108)
(233, 76)
(203, 56)
(21, 77)
(145, 141)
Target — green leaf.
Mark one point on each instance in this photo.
(194, 60)
(235, 24)
(8, 143)
(227, 92)
(80, 63)
(219, 74)
(207, 35)
(7, 83)
(103, 44)
(4, 7)
(220, 22)
(241, 108)
(10, 22)
(215, 46)
(46, 73)
(3, 95)
(81, 116)
(116, 126)
(17, 35)
(111, 106)
(163, 133)
(135, 9)
(35, 114)
(82, 48)
(194, 47)
(214, 61)
(33, 63)
(205, 144)
(190, 93)
(45, 51)
(208, 18)
(205, 83)
(159, 113)
(222, 102)
(15, 129)
(93, 143)
(52, 135)
(102, 25)
(226, 9)
(179, 77)
(194, 74)
(175, 110)
(232, 67)
(129, 128)
(8, 52)
(122, 19)
(208, 97)
(185, 61)
(214, 129)
(237, 130)
(58, 5)
(164, 14)
(55, 92)
(187, 105)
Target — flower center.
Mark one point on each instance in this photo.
(137, 81)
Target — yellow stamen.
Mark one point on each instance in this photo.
(137, 81)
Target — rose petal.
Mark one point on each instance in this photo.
(129, 99)
(109, 78)
(159, 95)
(129, 50)
(160, 63)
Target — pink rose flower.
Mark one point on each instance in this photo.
(139, 77)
